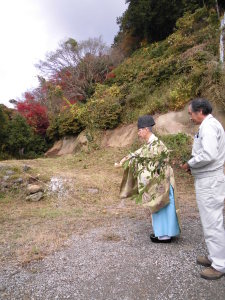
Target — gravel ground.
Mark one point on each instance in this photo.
(117, 261)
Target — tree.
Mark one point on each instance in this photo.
(154, 20)
(21, 140)
(74, 69)
(3, 127)
(18, 136)
(34, 113)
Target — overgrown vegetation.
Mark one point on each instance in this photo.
(161, 76)
(17, 138)
(147, 21)
(165, 75)
(179, 146)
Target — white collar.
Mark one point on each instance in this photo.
(209, 116)
(151, 138)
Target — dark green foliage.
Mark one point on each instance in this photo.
(164, 76)
(53, 129)
(103, 110)
(21, 141)
(154, 20)
(66, 123)
(3, 127)
(180, 146)
(19, 134)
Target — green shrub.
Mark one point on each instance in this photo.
(66, 123)
(69, 123)
(3, 127)
(179, 94)
(180, 146)
(103, 110)
(53, 129)
(21, 141)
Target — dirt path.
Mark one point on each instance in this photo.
(117, 262)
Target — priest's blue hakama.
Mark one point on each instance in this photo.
(165, 221)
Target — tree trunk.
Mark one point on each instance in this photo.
(217, 9)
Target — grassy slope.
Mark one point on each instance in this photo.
(165, 75)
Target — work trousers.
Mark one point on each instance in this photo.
(210, 194)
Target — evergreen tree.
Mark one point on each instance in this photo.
(154, 20)
(21, 139)
(3, 127)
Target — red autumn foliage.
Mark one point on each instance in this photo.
(110, 75)
(34, 113)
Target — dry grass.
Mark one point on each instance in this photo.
(30, 231)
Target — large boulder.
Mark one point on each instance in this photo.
(68, 145)
(122, 136)
(34, 188)
(55, 149)
(175, 122)
(35, 197)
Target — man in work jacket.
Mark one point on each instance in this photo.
(206, 165)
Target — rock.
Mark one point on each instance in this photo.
(93, 191)
(34, 188)
(4, 184)
(81, 142)
(26, 168)
(2, 288)
(5, 178)
(122, 136)
(35, 197)
(32, 179)
(68, 145)
(55, 149)
(18, 180)
(9, 172)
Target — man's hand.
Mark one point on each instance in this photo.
(117, 165)
(185, 167)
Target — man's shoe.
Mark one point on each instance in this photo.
(203, 261)
(211, 274)
(155, 239)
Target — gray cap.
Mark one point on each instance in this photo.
(145, 121)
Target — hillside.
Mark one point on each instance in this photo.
(164, 76)
(157, 78)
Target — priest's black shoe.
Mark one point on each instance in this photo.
(155, 239)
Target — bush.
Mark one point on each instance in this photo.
(180, 145)
(53, 129)
(103, 110)
(69, 123)
(66, 123)
(179, 94)
(21, 141)
(3, 127)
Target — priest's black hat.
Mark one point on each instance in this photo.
(145, 121)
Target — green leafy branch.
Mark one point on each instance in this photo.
(154, 164)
